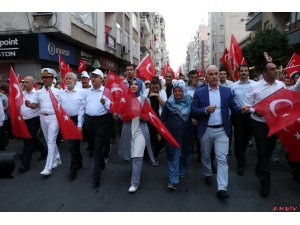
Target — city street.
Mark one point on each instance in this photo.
(30, 192)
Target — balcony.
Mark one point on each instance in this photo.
(255, 23)
(294, 33)
(145, 26)
(110, 41)
(145, 44)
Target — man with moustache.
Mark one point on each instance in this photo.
(72, 103)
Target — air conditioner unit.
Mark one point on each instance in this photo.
(124, 50)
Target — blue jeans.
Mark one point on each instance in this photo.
(173, 156)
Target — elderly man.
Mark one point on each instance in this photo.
(48, 119)
(97, 119)
(72, 103)
(32, 120)
(210, 106)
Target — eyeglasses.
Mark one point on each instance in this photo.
(26, 82)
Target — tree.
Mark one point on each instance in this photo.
(269, 40)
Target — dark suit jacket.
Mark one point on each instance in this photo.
(201, 101)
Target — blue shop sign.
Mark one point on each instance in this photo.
(50, 48)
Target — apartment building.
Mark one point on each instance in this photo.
(30, 41)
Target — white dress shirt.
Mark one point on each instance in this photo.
(72, 103)
(44, 100)
(92, 104)
(227, 83)
(239, 91)
(215, 118)
(26, 112)
(258, 92)
(2, 114)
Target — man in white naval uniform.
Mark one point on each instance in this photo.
(48, 119)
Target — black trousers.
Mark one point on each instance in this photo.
(3, 138)
(264, 145)
(32, 144)
(76, 157)
(242, 134)
(97, 127)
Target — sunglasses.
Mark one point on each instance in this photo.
(43, 77)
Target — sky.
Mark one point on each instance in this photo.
(179, 32)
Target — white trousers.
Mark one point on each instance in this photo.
(218, 139)
(50, 129)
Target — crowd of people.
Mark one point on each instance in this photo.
(202, 113)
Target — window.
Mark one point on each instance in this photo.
(135, 21)
(221, 47)
(119, 34)
(86, 18)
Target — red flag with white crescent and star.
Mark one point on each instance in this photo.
(67, 127)
(280, 109)
(123, 101)
(293, 65)
(64, 68)
(81, 66)
(225, 60)
(236, 56)
(15, 98)
(146, 68)
(149, 115)
(167, 68)
(290, 138)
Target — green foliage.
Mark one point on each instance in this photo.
(269, 40)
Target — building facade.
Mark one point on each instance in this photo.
(30, 41)
(220, 27)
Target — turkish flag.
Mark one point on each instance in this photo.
(280, 109)
(293, 65)
(167, 68)
(67, 127)
(200, 72)
(19, 77)
(123, 101)
(236, 56)
(146, 68)
(225, 60)
(15, 98)
(82, 66)
(290, 138)
(64, 68)
(149, 115)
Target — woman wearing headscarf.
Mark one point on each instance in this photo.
(134, 138)
(176, 116)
